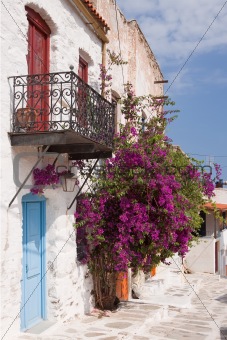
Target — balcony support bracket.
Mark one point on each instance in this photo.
(85, 181)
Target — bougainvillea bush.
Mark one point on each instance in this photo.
(43, 178)
(146, 202)
(48, 177)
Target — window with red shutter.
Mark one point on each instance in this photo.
(83, 70)
(82, 117)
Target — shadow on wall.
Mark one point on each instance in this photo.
(199, 255)
(223, 333)
(222, 298)
(195, 253)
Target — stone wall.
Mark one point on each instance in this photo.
(142, 68)
(201, 257)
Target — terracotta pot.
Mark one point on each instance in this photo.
(26, 117)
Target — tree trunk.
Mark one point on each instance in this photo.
(104, 284)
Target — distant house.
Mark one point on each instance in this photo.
(210, 254)
(53, 113)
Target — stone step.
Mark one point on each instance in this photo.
(157, 285)
(152, 287)
(173, 295)
(130, 319)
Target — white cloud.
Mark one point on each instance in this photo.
(194, 79)
(174, 27)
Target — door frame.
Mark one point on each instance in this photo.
(29, 198)
(41, 112)
(34, 19)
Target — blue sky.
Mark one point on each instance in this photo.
(173, 28)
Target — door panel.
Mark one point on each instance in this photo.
(39, 59)
(38, 43)
(38, 63)
(82, 115)
(38, 96)
(33, 253)
(33, 282)
(216, 256)
(83, 70)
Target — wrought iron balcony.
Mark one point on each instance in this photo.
(60, 109)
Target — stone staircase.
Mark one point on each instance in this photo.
(169, 287)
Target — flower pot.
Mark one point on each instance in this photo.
(25, 118)
(122, 286)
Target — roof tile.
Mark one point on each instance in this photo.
(94, 12)
(220, 206)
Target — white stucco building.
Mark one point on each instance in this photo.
(210, 254)
(47, 111)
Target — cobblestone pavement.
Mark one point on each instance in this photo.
(204, 318)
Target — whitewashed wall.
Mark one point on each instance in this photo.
(201, 256)
(68, 292)
(223, 253)
(212, 223)
(220, 195)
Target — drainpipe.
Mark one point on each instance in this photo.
(215, 227)
(103, 59)
(104, 53)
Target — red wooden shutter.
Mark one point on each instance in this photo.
(83, 70)
(38, 43)
(38, 63)
(82, 94)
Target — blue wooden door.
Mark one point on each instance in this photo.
(33, 281)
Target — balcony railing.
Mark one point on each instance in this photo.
(61, 101)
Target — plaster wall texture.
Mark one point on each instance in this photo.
(68, 292)
(147, 68)
(201, 257)
(220, 195)
(142, 68)
(211, 222)
(223, 253)
(118, 30)
(223, 240)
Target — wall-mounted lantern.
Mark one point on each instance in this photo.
(68, 181)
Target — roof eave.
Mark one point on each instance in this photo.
(91, 20)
